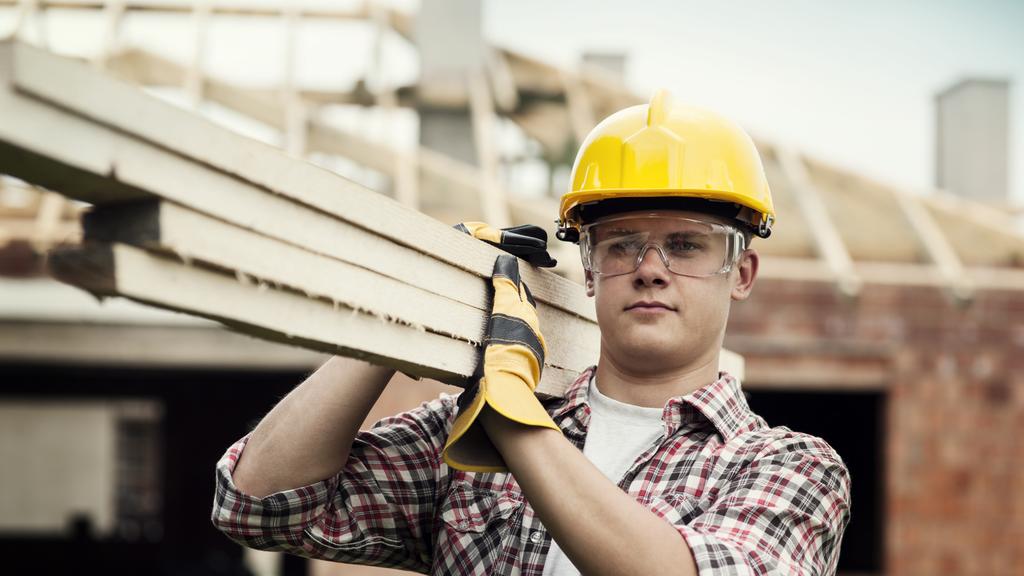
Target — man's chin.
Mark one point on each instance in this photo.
(653, 351)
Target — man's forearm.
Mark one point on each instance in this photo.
(308, 435)
(600, 528)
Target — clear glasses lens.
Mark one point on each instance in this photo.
(687, 247)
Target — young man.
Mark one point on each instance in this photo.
(652, 463)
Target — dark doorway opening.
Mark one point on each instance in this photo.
(203, 412)
(853, 424)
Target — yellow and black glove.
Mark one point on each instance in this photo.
(528, 242)
(509, 372)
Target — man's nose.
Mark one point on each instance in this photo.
(652, 269)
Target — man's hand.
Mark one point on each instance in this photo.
(512, 362)
(528, 242)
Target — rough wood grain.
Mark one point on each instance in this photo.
(114, 269)
(194, 237)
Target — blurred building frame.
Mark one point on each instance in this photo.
(913, 297)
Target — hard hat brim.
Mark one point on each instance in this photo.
(758, 213)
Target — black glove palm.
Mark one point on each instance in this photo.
(528, 242)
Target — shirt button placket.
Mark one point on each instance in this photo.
(536, 536)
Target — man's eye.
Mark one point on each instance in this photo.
(684, 246)
(625, 245)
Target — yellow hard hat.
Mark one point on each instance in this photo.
(666, 152)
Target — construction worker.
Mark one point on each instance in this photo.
(652, 463)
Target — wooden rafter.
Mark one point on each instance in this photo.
(295, 110)
(27, 10)
(462, 179)
(581, 109)
(113, 16)
(936, 245)
(48, 219)
(263, 9)
(194, 75)
(42, 218)
(503, 83)
(406, 179)
(481, 108)
(827, 240)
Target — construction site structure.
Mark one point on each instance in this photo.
(889, 321)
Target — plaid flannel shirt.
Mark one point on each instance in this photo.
(747, 499)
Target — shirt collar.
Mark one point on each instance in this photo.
(572, 411)
(720, 404)
(575, 395)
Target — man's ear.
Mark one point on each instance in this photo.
(745, 274)
(588, 281)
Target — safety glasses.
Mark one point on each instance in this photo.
(687, 247)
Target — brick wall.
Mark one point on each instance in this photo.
(954, 379)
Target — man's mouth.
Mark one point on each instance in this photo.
(649, 305)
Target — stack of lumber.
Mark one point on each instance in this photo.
(192, 217)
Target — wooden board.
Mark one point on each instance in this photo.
(250, 256)
(271, 313)
(77, 87)
(253, 257)
(98, 165)
(140, 169)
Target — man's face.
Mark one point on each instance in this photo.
(653, 319)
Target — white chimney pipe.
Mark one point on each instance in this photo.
(972, 140)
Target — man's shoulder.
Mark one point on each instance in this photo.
(782, 443)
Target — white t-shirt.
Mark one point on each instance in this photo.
(618, 434)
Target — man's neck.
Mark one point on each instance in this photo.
(653, 389)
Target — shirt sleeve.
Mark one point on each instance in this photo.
(782, 514)
(378, 510)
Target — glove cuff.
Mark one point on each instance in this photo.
(468, 447)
